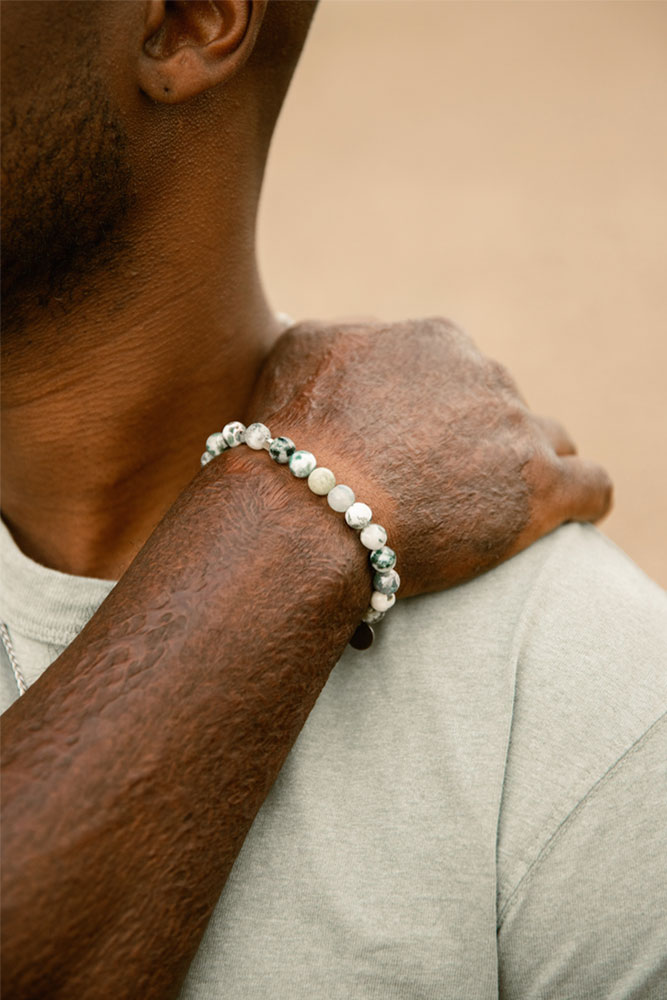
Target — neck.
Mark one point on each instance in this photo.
(107, 403)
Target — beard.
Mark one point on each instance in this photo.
(66, 190)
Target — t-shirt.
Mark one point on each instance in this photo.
(476, 806)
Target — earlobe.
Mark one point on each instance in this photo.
(191, 46)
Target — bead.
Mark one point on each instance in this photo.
(256, 436)
(358, 515)
(206, 457)
(387, 583)
(373, 537)
(281, 450)
(340, 498)
(382, 602)
(267, 444)
(383, 559)
(372, 616)
(302, 464)
(321, 481)
(215, 443)
(363, 636)
(233, 434)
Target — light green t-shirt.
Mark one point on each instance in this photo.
(475, 808)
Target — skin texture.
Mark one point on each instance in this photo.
(461, 473)
(171, 306)
(136, 325)
(134, 767)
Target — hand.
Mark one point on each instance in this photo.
(434, 437)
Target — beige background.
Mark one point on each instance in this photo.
(504, 164)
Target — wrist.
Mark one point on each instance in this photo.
(350, 457)
(340, 498)
(302, 542)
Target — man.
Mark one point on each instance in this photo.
(466, 809)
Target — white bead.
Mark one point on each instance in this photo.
(372, 616)
(321, 481)
(215, 443)
(340, 498)
(358, 515)
(373, 537)
(256, 436)
(206, 458)
(233, 433)
(382, 602)
(302, 464)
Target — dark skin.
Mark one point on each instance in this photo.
(135, 766)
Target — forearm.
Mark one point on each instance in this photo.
(135, 766)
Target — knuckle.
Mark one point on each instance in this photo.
(518, 418)
(499, 377)
(606, 490)
(544, 469)
(448, 327)
(443, 328)
(518, 425)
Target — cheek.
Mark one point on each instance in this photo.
(68, 189)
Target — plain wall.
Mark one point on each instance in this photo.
(503, 164)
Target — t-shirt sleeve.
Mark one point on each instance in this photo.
(589, 919)
(582, 839)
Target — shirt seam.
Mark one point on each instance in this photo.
(569, 820)
(516, 645)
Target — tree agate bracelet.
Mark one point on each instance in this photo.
(322, 482)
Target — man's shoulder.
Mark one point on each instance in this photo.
(559, 659)
(590, 686)
(590, 637)
(580, 824)
(564, 629)
(574, 590)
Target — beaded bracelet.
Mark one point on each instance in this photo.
(322, 482)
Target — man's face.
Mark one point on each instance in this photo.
(65, 170)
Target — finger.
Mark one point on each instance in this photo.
(557, 436)
(584, 492)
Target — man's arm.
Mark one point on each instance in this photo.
(135, 766)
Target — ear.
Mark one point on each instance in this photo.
(190, 46)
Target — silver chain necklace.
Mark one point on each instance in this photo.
(9, 649)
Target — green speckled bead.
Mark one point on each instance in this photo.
(233, 434)
(215, 443)
(383, 559)
(302, 464)
(387, 583)
(281, 450)
(206, 458)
